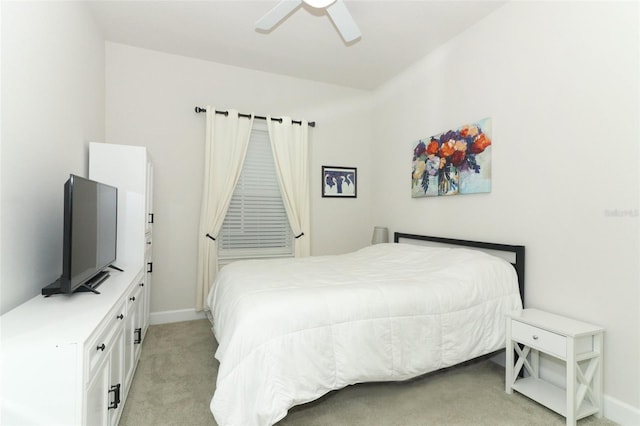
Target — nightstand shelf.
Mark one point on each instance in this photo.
(551, 396)
(578, 344)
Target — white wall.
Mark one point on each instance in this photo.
(560, 81)
(150, 101)
(52, 105)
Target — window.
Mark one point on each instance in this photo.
(256, 224)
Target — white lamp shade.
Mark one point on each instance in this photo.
(380, 235)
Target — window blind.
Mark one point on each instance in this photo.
(256, 224)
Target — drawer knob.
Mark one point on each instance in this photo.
(121, 316)
(133, 298)
(101, 347)
(535, 337)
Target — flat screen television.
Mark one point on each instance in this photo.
(89, 235)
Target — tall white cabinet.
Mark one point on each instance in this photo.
(129, 169)
(70, 359)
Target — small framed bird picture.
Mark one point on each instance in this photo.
(340, 182)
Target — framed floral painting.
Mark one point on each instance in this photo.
(453, 162)
(339, 182)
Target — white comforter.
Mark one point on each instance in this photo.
(291, 330)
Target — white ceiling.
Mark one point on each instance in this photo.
(395, 34)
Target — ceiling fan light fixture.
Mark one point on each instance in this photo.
(336, 9)
(319, 4)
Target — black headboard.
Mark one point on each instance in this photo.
(513, 254)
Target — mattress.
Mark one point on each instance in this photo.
(291, 330)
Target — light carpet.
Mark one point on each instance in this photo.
(175, 380)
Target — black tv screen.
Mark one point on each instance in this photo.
(89, 235)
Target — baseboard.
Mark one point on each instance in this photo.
(621, 412)
(167, 317)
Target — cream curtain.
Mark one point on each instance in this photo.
(289, 143)
(227, 138)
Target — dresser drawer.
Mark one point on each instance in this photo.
(99, 346)
(540, 339)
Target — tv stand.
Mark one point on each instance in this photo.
(53, 288)
(73, 358)
(90, 285)
(85, 288)
(116, 268)
(93, 283)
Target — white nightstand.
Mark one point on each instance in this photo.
(578, 344)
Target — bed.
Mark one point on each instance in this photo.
(291, 330)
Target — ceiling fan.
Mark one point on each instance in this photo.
(336, 9)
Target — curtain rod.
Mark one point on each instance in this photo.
(259, 117)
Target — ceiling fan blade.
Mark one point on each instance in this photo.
(277, 14)
(343, 21)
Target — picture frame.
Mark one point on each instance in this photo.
(457, 161)
(339, 182)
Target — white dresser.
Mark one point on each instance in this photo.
(64, 359)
